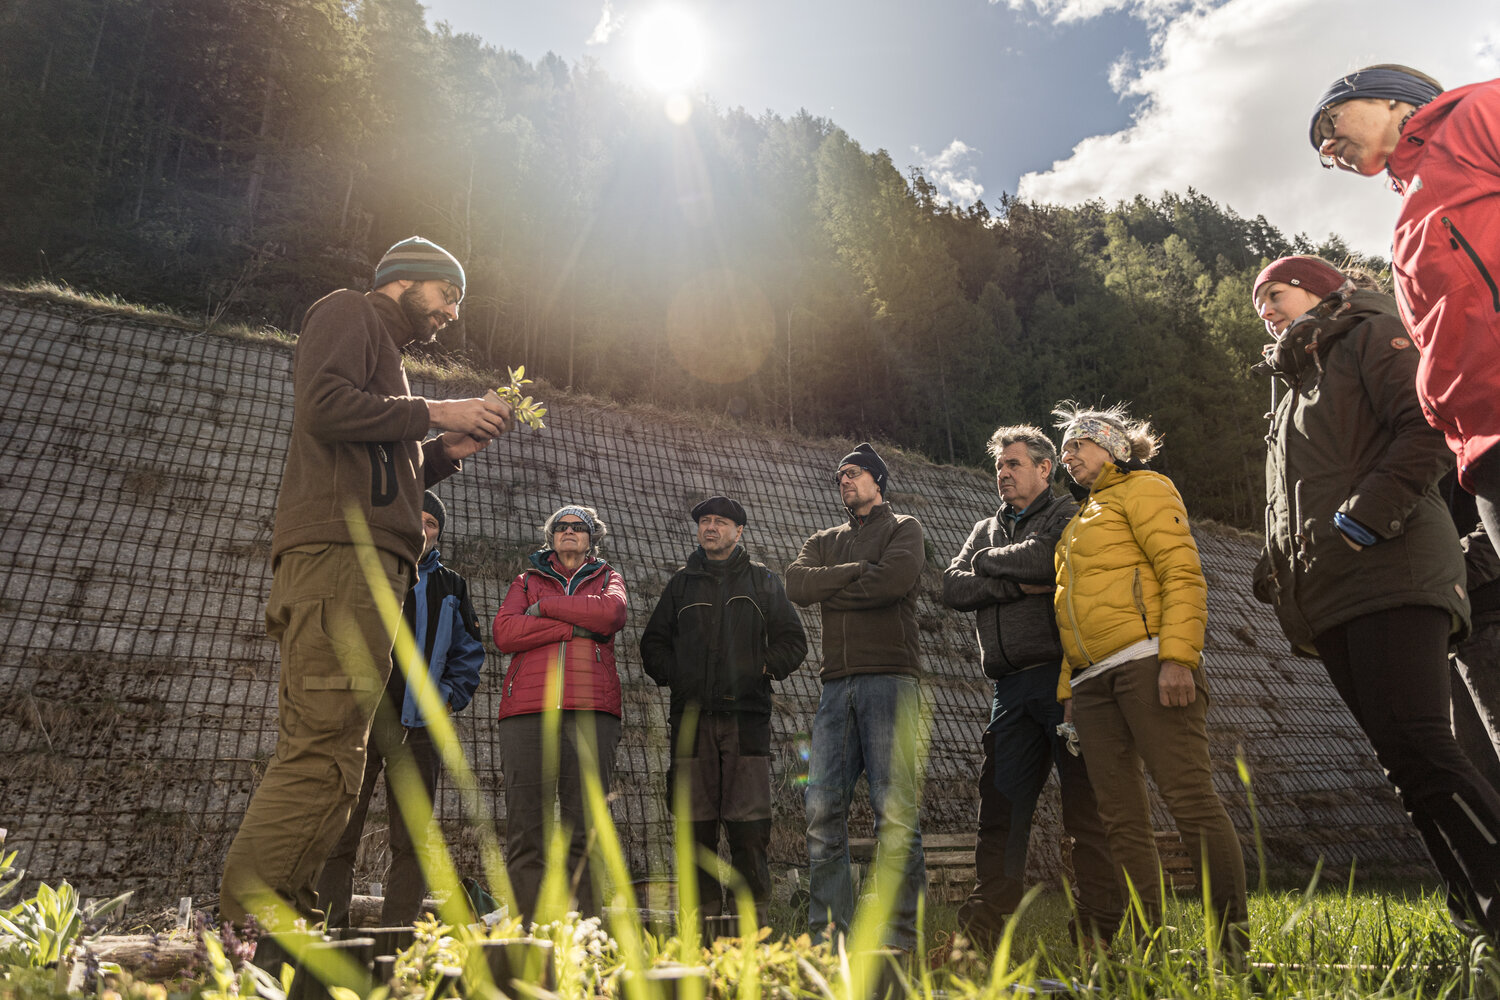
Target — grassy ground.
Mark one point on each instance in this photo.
(1374, 941)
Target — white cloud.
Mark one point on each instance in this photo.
(1227, 92)
(952, 172)
(1069, 11)
(609, 23)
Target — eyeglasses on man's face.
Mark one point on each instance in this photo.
(852, 473)
(451, 293)
(578, 526)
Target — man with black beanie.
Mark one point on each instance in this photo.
(863, 574)
(446, 629)
(721, 632)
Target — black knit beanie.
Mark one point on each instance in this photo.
(864, 456)
(432, 505)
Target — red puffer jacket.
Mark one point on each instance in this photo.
(593, 600)
(1446, 261)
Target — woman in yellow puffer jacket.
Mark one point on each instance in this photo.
(1131, 605)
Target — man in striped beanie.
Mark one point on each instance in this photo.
(434, 284)
(358, 460)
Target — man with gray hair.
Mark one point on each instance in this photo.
(1004, 574)
(357, 462)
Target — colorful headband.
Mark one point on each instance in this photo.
(1104, 433)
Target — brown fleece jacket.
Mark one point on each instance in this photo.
(356, 430)
(864, 574)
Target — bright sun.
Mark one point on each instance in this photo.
(669, 49)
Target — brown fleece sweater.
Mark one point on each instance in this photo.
(864, 575)
(356, 430)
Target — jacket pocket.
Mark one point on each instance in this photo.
(382, 473)
(1458, 242)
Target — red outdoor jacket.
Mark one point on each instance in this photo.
(593, 600)
(1446, 261)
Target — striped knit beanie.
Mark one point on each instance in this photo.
(416, 259)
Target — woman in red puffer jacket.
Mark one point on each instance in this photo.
(559, 619)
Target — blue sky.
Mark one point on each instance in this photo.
(1059, 100)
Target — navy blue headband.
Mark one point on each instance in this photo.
(1383, 84)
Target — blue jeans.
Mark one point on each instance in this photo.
(866, 724)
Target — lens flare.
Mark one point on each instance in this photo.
(669, 48)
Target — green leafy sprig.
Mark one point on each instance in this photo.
(528, 411)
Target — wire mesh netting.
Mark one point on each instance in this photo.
(138, 689)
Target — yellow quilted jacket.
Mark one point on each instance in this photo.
(1127, 570)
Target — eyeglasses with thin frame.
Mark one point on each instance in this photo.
(1323, 128)
(451, 295)
(580, 527)
(852, 473)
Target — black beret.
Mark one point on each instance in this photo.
(722, 506)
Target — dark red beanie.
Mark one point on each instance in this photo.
(1313, 274)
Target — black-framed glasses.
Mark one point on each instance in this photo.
(851, 474)
(451, 295)
(580, 527)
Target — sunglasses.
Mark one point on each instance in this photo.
(849, 474)
(578, 526)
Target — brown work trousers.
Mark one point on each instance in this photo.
(335, 660)
(1121, 723)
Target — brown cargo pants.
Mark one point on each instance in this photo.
(335, 660)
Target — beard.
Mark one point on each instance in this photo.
(425, 322)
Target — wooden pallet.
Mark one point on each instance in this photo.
(949, 858)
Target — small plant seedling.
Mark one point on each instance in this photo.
(528, 411)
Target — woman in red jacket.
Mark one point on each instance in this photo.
(559, 619)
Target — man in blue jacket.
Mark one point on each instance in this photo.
(442, 619)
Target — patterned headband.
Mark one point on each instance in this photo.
(1106, 434)
(582, 515)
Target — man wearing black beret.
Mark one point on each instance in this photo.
(864, 574)
(721, 632)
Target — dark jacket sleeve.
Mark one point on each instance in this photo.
(808, 581)
(465, 660)
(786, 641)
(1418, 455)
(1031, 559)
(889, 579)
(337, 353)
(436, 465)
(1481, 564)
(658, 653)
(966, 589)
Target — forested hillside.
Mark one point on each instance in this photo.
(241, 157)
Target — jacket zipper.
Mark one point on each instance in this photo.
(1140, 601)
(1072, 615)
(1459, 241)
